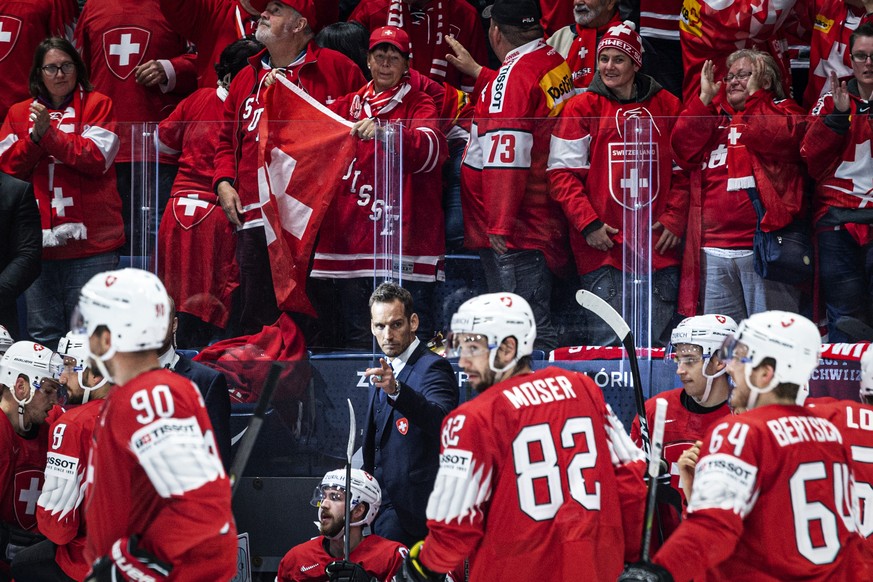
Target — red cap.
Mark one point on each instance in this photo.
(623, 37)
(392, 35)
(305, 7)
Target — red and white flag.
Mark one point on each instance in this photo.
(304, 151)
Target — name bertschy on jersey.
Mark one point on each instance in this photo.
(791, 430)
(540, 391)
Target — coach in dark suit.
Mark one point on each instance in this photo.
(413, 390)
(20, 246)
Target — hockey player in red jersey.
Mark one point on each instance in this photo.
(157, 500)
(855, 421)
(772, 494)
(370, 556)
(536, 456)
(700, 402)
(28, 392)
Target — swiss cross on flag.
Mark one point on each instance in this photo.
(9, 29)
(124, 48)
(304, 151)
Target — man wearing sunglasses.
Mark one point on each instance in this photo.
(28, 395)
(59, 510)
(696, 406)
(772, 490)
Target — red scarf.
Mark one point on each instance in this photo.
(739, 162)
(373, 104)
(57, 187)
(438, 65)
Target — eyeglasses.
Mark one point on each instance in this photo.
(53, 70)
(391, 59)
(861, 57)
(739, 76)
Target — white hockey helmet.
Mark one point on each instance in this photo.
(5, 340)
(867, 373)
(790, 339)
(35, 361)
(707, 331)
(365, 489)
(497, 316)
(132, 303)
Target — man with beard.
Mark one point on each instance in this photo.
(59, 511)
(321, 558)
(285, 29)
(536, 461)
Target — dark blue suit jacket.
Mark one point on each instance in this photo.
(406, 465)
(213, 387)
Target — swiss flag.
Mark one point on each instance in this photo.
(304, 151)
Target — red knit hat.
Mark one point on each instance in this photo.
(623, 37)
(305, 7)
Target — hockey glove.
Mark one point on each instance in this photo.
(345, 571)
(127, 561)
(414, 571)
(645, 572)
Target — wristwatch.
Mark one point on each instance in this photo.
(396, 390)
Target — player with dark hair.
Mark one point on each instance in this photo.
(321, 558)
(772, 489)
(536, 456)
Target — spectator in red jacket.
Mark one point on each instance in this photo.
(739, 138)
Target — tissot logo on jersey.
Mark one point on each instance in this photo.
(61, 466)
(154, 435)
(456, 462)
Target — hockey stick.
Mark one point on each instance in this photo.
(620, 328)
(654, 472)
(248, 440)
(350, 450)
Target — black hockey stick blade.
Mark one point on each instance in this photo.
(248, 440)
(350, 451)
(620, 328)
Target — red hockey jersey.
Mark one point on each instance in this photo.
(113, 41)
(592, 132)
(211, 25)
(71, 171)
(855, 421)
(840, 163)
(771, 501)
(323, 73)
(503, 178)
(306, 562)
(23, 25)
(347, 236)
(201, 279)
(22, 468)
(537, 480)
(154, 471)
(426, 28)
(59, 511)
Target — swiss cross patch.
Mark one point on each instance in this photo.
(28, 486)
(190, 210)
(506, 300)
(9, 29)
(720, 318)
(402, 425)
(788, 322)
(124, 48)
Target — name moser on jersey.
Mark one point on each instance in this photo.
(537, 476)
(157, 501)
